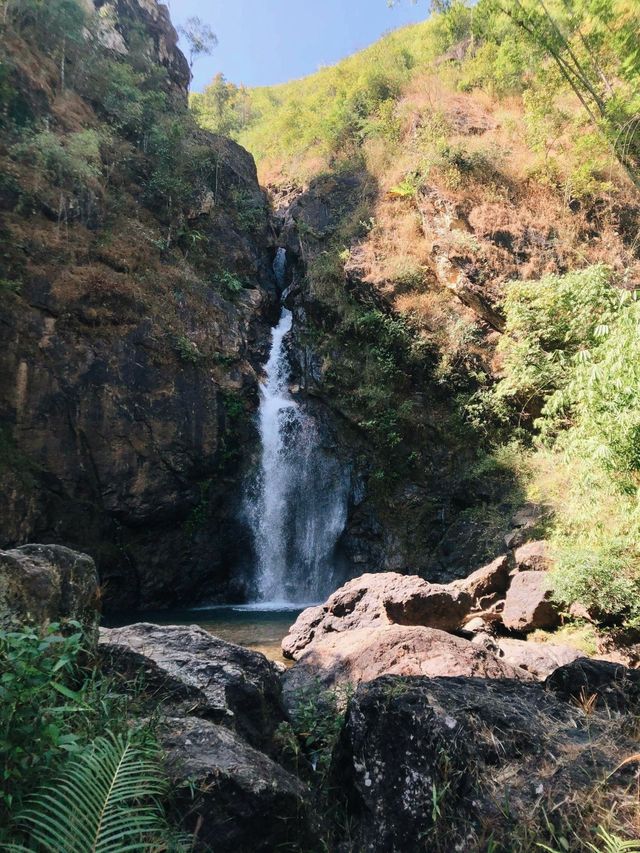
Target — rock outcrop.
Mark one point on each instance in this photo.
(540, 659)
(529, 603)
(190, 671)
(429, 763)
(373, 601)
(46, 584)
(132, 326)
(218, 706)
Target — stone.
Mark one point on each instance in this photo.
(598, 683)
(434, 605)
(533, 557)
(524, 523)
(427, 763)
(377, 600)
(477, 625)
(529, 603)
(492, 579)
(362, 655)
(236, 799)
(540, 659)
(48, 583)
(193, 672)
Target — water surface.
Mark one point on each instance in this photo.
(261, 627)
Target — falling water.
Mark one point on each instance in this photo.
(297, 506)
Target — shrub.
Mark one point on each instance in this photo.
(574, 343)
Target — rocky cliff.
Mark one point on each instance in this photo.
(136, 294)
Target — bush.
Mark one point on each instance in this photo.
(574, 343)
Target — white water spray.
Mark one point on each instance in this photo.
(297, 506)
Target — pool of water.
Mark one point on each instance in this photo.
(261, 627)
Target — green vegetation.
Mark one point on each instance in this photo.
(107, 799)
(541, 52)
(68, 749)
(571, 349)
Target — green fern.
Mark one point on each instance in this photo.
(610, 844)
(107, 800)
(614, 844)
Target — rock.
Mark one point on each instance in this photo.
(426, 764)
(235, 798)
(193, 672)
(376, 600)
(540, 659)
(490, 580)
(302, 632)
(478, 625)
(48, 583)
(529, 604)
(432, 605)
(599, 684)
(120, 370)
(524, 523)
(533, 557)
(362, 655)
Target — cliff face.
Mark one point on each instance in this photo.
(136, 294)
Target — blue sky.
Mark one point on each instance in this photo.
(262, 42)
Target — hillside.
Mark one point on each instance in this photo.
(464, 289)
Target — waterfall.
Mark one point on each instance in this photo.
(297, 503)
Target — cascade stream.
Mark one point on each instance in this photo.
(297, 503)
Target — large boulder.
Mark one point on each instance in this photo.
(195, 673)
(598, 684)
(361, 655)
(377, 600)
(236, 799)
(47, 583)
(540, 659)
(491, 580)
(529, 603)
(429, 764)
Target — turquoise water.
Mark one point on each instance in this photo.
(257, 626)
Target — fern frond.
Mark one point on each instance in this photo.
(107, 800)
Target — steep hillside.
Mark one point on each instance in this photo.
(417, 181)
(136, 292)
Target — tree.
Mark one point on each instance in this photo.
(200, 38)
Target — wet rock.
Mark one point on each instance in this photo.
(193, 672)
(376, 600)
(540, 659)
(361, 655)
(466, 745)
(48, 583)
(598, 684)
(235, 798)
(529, 603)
